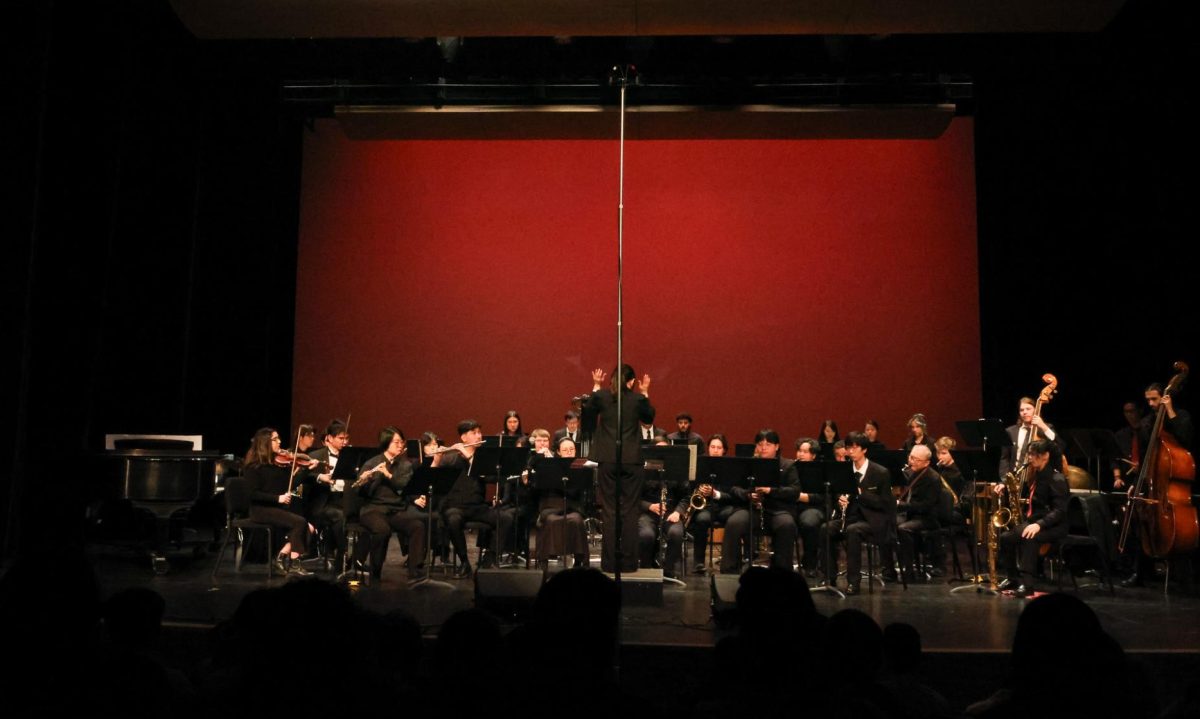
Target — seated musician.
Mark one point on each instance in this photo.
(870, 514)
(570, 430)
(466, 503)
(307, 438)
(386, 510)
(827, 437)
(512, 428)
(322, 494)
(871, 429)
(776, 505)
(839, 451)
(268, 479)
(656, 512)
(683, 433)
(810, 510)
(956, 499)
(1042, 517)
(918, 433)
(918, 506)
(717, 507)
(559, 534)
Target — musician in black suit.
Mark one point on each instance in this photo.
(776, 504)
(323, 495)
(919, 504)
(1013, 454)
(385, 509)
(669, 514)
(810, 510)
(647, 432)
(1178, 422)
(869, 514)
(719, 506)
(571, 431)
(601, 420)
(466, 500)
(1042, 517)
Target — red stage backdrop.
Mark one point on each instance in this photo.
(767, 283)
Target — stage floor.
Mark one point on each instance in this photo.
(1142, 620)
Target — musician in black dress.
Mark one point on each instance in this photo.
(560, 531)
(1042, 517)
(512, 428)
(868, 514)
(601, 421)
(466, 500)
(268, 480)
(827, 437)
(871, 429)
(776, 505)
(386, 510)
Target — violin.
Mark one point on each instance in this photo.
(285, 458)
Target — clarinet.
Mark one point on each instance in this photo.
(662, 526)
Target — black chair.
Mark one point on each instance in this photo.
(1077, 538)
(238, 522)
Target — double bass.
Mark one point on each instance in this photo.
(1161, 499)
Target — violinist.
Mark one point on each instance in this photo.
(322, 493)
(1042, 520)
(308, 437)
(386, 510)
(268, 474)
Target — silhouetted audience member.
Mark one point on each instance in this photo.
(1064, 665)
(902, 658)
(566, 654)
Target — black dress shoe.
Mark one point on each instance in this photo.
(1133, 580)
(853, 588)
(281, 564)
(890, 576)
(937, 572)
(463, 571)
(1022, 591)
(698, 569)
(488, 561)
(810, 572)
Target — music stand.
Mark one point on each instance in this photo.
(434, 483)
(836, 478)
(746, 473)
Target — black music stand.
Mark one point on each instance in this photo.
(744, 472)
(497, 460)
(434, 483)
(560, 474)
(837, 478)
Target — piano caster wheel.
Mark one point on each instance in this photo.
(159, 564)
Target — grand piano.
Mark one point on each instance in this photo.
(156, 493)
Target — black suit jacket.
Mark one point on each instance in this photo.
(875, 503)
(1008, 454)
(562, 432)
(600, 412)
